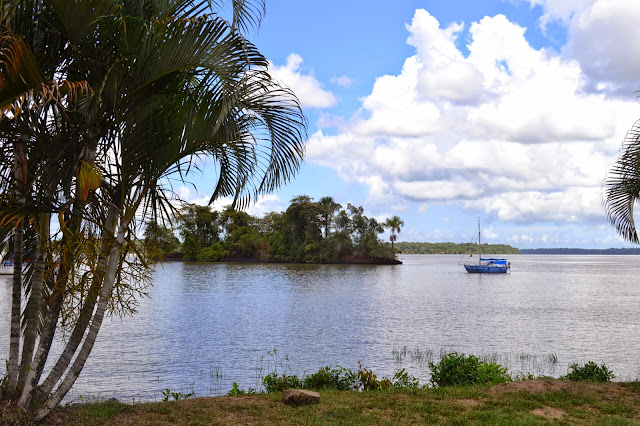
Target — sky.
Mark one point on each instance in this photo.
(442, 112)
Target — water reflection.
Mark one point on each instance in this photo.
(207, 319)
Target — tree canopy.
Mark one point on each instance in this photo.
(307, 231)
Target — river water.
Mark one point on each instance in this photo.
(208, 325)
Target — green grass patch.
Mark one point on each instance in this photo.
(529, 402)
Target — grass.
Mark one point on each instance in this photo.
(524, 402)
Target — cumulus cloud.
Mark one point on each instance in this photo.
(304, 85)
(509, 130)
(602, 37)
(561, 10)
(264, 204)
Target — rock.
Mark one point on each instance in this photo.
(112, 400)
(300, 397)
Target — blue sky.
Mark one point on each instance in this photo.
(444, 111)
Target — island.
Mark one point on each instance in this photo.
(308, 231)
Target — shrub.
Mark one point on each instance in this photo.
(235, 390)
(338, 378)
(369, 380)
(459, 369)
(589, 372)
(274, 383)
(402, 380)
(493, 373)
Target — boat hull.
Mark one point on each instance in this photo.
(485, 269)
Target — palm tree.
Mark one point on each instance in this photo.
(328, 207)
(169, 84)
(27, 101)
(621, 187)
(394, 223)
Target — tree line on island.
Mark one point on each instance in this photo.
(454, 248)
(307, 231)
(581, 251)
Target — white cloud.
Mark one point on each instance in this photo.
(508, 130)
(561, 10)
(304, 85)
(264, 203)
(602, 37)
(489, 233)
(193, 196)
(342, 81)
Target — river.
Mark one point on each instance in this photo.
(205, 326)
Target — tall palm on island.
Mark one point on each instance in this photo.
(394, 224)
(621, 187)
(328, 207)
(161, 86)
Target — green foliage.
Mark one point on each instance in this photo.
(199, 228)
(307, 232)
(213, 253)
(327, 378)
(247, 242)
(453, 248)
(591, 372)
(275, 383)
(340, 378)
(402, 380)
(159, 240)
(235, 391)
(176, 396)
(370, 381)
(459, 369)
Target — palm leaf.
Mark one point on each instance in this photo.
(621, 187)
(19, 72)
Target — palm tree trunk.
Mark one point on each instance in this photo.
(87, 345)
(32, 311)
(29, 367)
(20, 176)
(44, 345)
(16, 300)
(85, 314)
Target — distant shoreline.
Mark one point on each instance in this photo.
(609, 251)
(500, 249)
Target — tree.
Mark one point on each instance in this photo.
(328, 208)
(622, 186)
(159, 240)
(364, 231)
(232, 219)
(158, 84)
(199, 228)
(394, 224)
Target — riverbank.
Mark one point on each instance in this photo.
(530, 402)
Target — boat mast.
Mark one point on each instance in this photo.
(479, 244)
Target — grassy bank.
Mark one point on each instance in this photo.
(521, 402)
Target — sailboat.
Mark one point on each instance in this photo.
(487, 265)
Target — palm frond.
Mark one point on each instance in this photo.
(621, 187)
(19, 70)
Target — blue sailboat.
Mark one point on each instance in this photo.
(487, 265)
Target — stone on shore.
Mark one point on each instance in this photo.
(300, 397)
